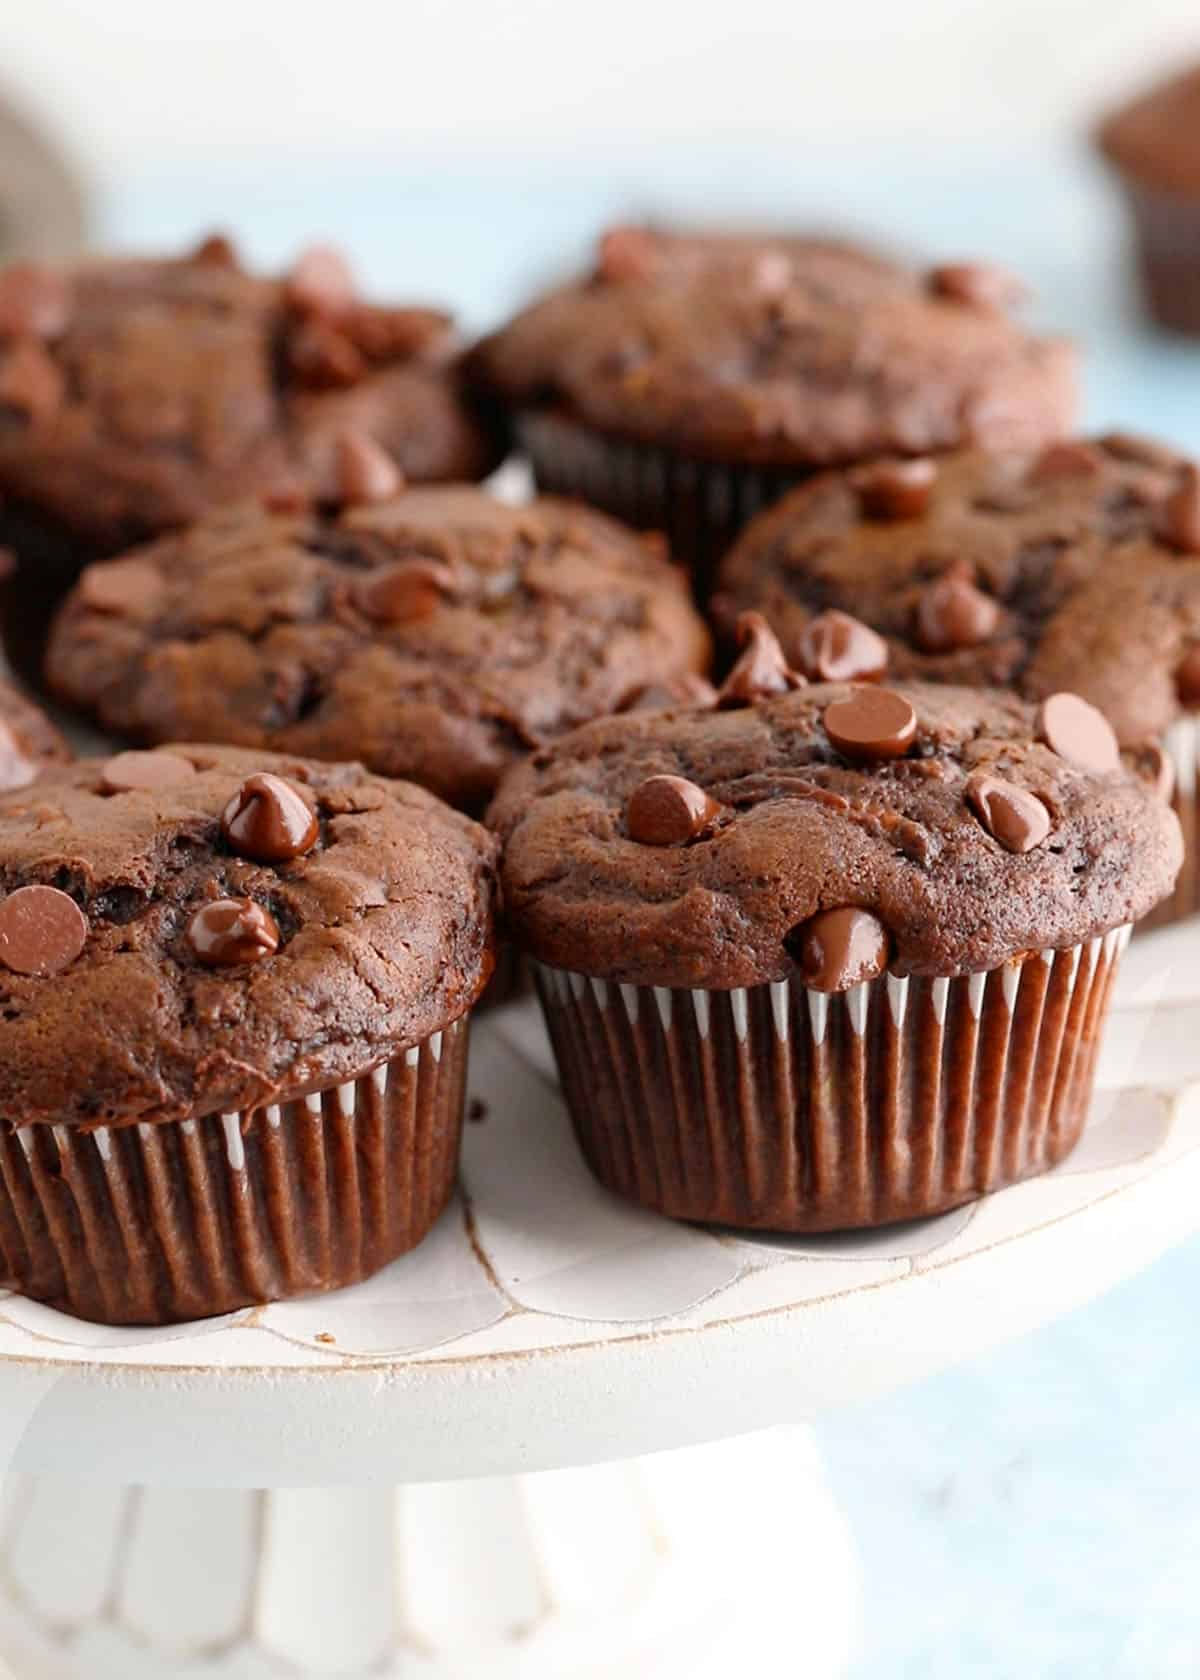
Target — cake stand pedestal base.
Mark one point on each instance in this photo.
(693, 1563)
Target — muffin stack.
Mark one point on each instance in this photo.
(830, 945)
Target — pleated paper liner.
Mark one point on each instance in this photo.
(699, 506)
(1167, 240)
(786, 1109)
(154, 1224)
(1181, 744)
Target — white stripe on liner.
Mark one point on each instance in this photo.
(857, 999)
(346, 1099)
(235, 1148)
(976, 986)
(629, 998)
(938, 992)
(818, 1015)
(700, 1005)
(662, 997)
(779, 1008)
(897, 995)
(741, 1021)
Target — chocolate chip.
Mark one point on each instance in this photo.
(838, 949)
(871, 723)
(895, 489)
(386, 334)
(321, 283)
(16, 771)
(1153, 765)
(1138, 451)
(42, 931)
(837, 648)
(952, 614)
(324, 358)
(669, 811)
(1179, 520)
(1187, 677)
(628, 253)
(761, 670)
(30, 382)
(1068, 458)
(403, 593)
(128, 588)
(216, 250)
(270, 821)
(1010, 814)
(131, 772)
(1076, 731)
(365, 472)
(34, 302)
(977, 285)
(232, 930)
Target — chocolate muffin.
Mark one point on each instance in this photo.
(1074, 568)
(437, 634)
(690, 379)
(833, 955)
(235, 997)
(136, 395)
(28, 740)
(1153, 147)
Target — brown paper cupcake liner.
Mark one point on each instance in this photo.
(699, 506)
(1181, 744)
(155, 1223)
(787, 1109)
(1167, 237)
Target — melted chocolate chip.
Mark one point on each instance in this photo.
(366, 473)
(627, 253)
(1152, 764)
(132, 771)
(952, 613)
(270, 821)
(1179, 521)
(1068, 458)
(403, 593)
(34, 302)
(838, 949)
(321, 282)
(977, 285)
(1010, 814)
(669, 811)
(232, 930)
(896, 489)
(834, 647)
(30, 382)
(871, 723)
(1187, 677)
(761, 670)
(323, 358)
(130, 588)
(1077, 732)
(42, 931)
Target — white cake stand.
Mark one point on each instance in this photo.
(387, 1482)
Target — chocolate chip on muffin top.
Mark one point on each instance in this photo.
(28, 740)
(1076, 568)
(135, 395)
(832, 831)
(781, 351)
(188, 941)
(437, 635)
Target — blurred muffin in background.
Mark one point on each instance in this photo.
(1153, 146)
(690, 379)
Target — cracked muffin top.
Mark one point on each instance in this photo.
(830, 831)
(1077, 567)
(437, 634)
(781, 351)
(201, 929)
(136, 394)
(28, 740)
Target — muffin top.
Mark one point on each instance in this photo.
(137, 394)
(202, 929)
(829, 831)
(1156, 137)
(438, 634)
(28, 740)
(792, 352)
(1075, 568)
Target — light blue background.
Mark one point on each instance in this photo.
(1034, 1514)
